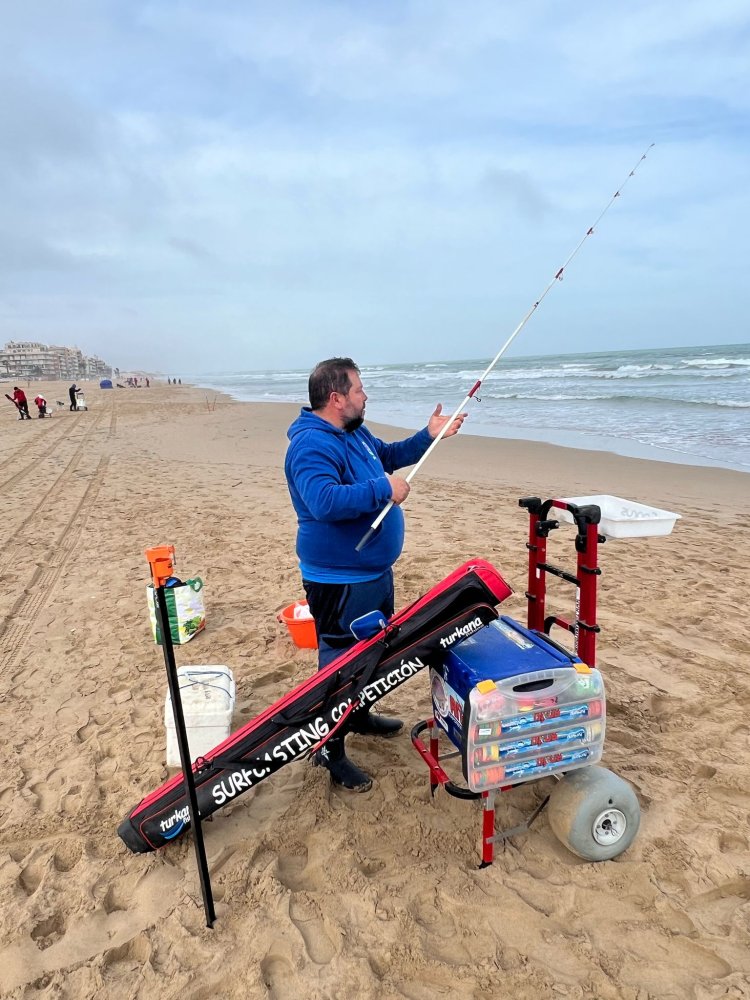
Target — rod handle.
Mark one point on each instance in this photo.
(365, 539)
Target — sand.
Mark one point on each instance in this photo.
(320, 893)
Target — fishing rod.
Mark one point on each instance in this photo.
(557, 277)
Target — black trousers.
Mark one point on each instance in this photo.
(334, 606)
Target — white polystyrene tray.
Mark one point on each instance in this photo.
(623, 518)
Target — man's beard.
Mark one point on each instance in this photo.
(353, 423)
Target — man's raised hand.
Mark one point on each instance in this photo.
(437, 421)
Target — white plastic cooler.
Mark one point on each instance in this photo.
(208, 695)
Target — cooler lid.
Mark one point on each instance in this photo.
(504, 648)
(204, 690)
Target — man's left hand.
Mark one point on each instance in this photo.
(437, 421)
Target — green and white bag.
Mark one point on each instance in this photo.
(185, 608)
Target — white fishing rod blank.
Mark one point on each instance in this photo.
(557, 277)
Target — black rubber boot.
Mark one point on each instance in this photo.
(367, 724)
(343, 771)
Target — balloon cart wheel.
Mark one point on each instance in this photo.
(594, 813)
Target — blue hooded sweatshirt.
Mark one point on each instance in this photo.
(337, 481)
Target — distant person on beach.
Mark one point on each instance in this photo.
(340, 476)
(41, 404)
(19, 398)
(73, 398)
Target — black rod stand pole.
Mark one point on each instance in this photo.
(162, 618)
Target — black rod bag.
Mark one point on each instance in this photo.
(414, 638)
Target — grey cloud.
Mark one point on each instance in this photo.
(190, 248)
(517, 188)
(41, 125)
(21, 252)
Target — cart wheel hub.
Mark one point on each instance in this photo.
(609, 827)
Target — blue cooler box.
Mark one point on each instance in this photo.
(517, 706)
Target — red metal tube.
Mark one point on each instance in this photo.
(537, 580)
(488, 828)
(587, 566)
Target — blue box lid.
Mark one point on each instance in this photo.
(501, 649)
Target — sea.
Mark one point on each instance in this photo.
(681, 404)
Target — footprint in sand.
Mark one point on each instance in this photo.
(716, 908)
(662, 706)
(371, 866)
(279, 675)
(623, 738)
(115, 898)
(71, 801)
(67, 855)
(106, 768)
(47, 931)
(687, 961)
(90, 728)
(69, 720)
(729, 796)
(290, 870)
(126, 959)
(704, 771)
(442, 941)
(309, 923)
(731, 842)
(32, 874)
(278, 973)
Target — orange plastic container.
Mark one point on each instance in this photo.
(302, 630)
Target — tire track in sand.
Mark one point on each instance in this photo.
(10, 554)
(19, 622)
(17, 625)
(52, 445)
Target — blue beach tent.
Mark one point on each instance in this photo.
(106, 383)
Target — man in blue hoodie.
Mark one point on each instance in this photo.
(340, 476)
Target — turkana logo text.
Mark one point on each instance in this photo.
(180, 816)
(461, 632)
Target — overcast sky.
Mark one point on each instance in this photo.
(204, 186)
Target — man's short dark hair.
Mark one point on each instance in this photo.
(327, 377)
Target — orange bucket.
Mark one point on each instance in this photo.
(302, 630)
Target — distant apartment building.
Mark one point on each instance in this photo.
(27, 358)
(96, 368)
(30, 359)
(69, 363)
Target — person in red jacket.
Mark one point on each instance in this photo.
(41, 404)
(19, 398)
